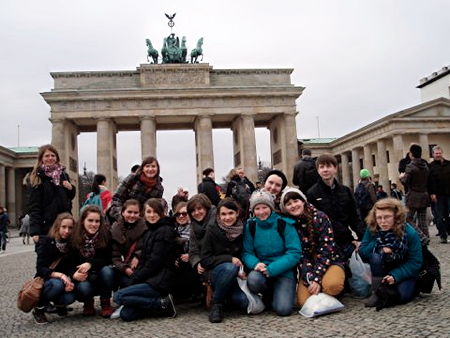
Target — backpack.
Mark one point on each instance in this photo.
(311, 175)
(240, 192)
(362, 197)
(281, 226)
(92, 199)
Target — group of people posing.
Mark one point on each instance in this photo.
(287, 243)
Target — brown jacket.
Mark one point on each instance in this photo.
(416, 180)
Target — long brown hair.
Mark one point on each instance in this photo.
(79, 233)
(54, 230)
(34, 178)
(148, 160)
(393, 205)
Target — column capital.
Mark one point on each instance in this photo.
(57, 119)
(147, 117)
(103, 118)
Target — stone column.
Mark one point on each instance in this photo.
(249, 147)
(290, 145)
(11, 197)
(397, 150)
(382, 166)
(58, 134)
(106, 151)
(2, 186)
(356, 167)
(346, 180)
(368, 163)
(203, 144)
(148, 136)
(423, 142)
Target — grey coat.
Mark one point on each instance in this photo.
(416, 181)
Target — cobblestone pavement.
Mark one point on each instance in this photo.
(427, 316)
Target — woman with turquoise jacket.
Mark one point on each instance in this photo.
(272, 251)
(392, 248)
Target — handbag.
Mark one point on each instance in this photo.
(361, 279)
(31, 291)
(255, 303)
(429, 273)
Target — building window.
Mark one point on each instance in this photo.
(361, 163)
(387, 156)
(374, 162)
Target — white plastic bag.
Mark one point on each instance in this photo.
(255, 303)
(320, 304)
(361, 279)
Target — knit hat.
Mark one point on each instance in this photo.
(283, 195)
(280, 174)
(261, 197)
(364, 173)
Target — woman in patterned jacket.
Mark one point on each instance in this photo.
(320, 267)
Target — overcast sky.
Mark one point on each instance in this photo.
(359, 61)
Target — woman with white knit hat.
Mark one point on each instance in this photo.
(321, 269)
(271, 251)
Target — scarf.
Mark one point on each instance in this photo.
(232, 232)
(149, 182)
(62, 246)
(88, 249)
(53, 171)
(388, 239)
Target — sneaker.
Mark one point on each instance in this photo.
(39, 316)
(444, 240)
(50, 308)
(216, 313)
(61, 310)
(168, 306)
(116, 314)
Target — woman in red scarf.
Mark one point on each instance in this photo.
(142, 185)
(51, 192)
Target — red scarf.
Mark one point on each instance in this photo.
(149, 182)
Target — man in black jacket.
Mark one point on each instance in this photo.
(305, 172)
(439, 190)
(209, 187)
(337, 201)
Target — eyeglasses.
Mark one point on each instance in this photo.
(383, 218)
(182, 214)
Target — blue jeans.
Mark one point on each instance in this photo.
(102, 285)
(138, 301)
(442, 219)
(3, 238)
(224, 284)
(407, 289)
(282, 290)
(53, 291)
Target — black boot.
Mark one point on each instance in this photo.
(216, 313)
(168, 307)
(373, 299)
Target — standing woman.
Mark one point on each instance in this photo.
(127, 240)
(392, 248)
(272, 251)
(320, 267)
(144, 184)
(274, 184)
(51, 191)
(99, 188)
(203, 215)
(154, 276)
(222, 248)
(58, 286)
(92, 259)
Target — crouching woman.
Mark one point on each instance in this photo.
(272, 251)
(392, 248)
(153, 278)
(320, 268)
(221, 250)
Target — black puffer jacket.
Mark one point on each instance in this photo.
(217, 248)
(305, 173)
(340, 206)
(47, 200)
(47, 253)
(210, 189)
(157, 264)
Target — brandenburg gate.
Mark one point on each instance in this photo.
(175, 96)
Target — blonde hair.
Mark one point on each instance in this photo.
(393, 205)
(34, 178)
